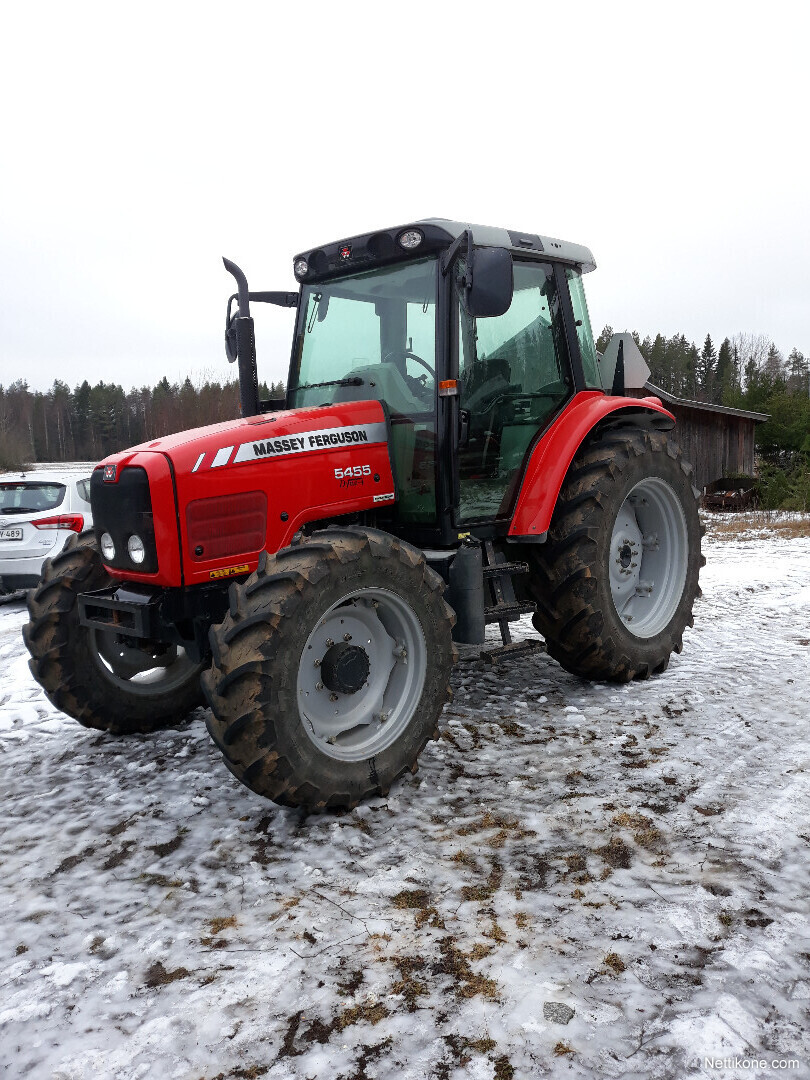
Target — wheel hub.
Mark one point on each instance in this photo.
(345, 668)
(361, 674)
(625, 555)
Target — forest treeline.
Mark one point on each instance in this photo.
(89, 422)
(746, 371)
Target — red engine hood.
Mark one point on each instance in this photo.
(270, 426)
(303, 464)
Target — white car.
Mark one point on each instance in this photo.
(38, 513)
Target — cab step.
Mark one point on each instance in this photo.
(504, 607)
(492, 653)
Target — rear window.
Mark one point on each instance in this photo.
(29, 497)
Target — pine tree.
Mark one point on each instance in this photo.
(706, 370)
(724, 375)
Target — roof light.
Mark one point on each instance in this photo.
(301, 268)
(410, 239)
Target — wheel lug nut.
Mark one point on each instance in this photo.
(347, 637)
(317, 663)
(319, 686)
(329, 643)
(333, 697)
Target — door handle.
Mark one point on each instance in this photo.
(463, 428)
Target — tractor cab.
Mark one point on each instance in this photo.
(474, 339)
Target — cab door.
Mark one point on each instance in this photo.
(514, 378)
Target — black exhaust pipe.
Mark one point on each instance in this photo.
(240, 343)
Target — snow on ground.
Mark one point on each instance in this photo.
(581, 880)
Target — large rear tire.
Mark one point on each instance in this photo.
(617, 578)
(92, 675)
(331, 669)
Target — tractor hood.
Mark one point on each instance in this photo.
(293, 431)
(235, 489)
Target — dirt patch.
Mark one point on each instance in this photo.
(466, 982)
(418, 900)
(161, 850)
(157, 975)
(320, 1032)
(488, 889)
(74, 860)
(616, 853)
(411, 987)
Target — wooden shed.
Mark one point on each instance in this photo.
(718, 441)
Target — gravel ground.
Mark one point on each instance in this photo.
(581, 880)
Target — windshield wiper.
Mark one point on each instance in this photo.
(18, 510)
(353, 380)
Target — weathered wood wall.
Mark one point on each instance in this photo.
(716, 443)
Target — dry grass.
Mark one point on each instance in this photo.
(757, 525)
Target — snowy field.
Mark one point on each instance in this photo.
(581, 880)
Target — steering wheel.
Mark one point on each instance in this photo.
(406, 354)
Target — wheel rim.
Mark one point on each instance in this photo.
(354, 706)
(139, 672)
(648, 557)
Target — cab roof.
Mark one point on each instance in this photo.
(383, 247)
(516, 241)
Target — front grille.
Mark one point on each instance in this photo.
(225, 526)
(123, 509)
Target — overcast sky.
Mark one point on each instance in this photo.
(142, 142)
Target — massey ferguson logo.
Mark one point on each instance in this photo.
(109, 473)
(322, 439)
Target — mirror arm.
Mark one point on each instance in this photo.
(280, 299)
(451, 254)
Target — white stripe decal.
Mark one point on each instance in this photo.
(222, 457)
(334, 438)
(199, 462)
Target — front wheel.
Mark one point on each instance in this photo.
(617, 578)
(99, 678)
(331, 669)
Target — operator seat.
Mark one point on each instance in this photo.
(381, 382)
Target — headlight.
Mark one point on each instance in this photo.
(107, 547)
(137, 552)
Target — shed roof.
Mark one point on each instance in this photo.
(706, 406)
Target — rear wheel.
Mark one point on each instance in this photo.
(616, 580)
(96, 677)
(331, 669)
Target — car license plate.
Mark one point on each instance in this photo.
(11, 534)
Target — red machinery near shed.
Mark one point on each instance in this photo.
(451, 452)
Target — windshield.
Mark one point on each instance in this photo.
(26, 497)
(371, 335)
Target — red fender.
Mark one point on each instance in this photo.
(556, 450)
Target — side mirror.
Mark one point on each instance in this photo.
(490, 293)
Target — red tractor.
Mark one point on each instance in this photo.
(451, 452)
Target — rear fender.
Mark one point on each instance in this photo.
(553, 454)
